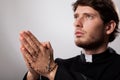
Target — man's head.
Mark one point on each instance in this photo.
(104, 9)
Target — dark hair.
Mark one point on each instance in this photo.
(106, 9)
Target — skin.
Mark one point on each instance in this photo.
(90, 34)
(36, 55)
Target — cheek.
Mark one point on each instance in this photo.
(94, 33)
(93, 26)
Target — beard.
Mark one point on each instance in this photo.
(90, 43)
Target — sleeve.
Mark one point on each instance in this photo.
(118, 77)
(63, 73)
(25, 77)
(41, 77)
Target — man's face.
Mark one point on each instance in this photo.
(89, 28)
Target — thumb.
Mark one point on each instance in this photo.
(48, 45)
(44, 44)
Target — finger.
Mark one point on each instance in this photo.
(27, 45)
(39, 44)
(28, 61)
(34, 38)
(28, 64)
(49, 46)
(31, 41)
(28, 58)
(40, 47)
(44, 45)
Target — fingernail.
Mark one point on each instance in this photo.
(21, 38)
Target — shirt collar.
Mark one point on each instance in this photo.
(87, 58)
(97, 57)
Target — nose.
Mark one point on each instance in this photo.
(78, 22)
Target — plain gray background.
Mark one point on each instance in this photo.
(49, 20)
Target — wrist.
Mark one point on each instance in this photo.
(52, 73)
(31, 76)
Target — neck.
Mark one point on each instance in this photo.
(96, 50)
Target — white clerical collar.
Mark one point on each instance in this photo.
(88, 58)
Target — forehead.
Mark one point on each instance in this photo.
(86, 9)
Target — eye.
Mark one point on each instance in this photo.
(75, 16)
(89, 17)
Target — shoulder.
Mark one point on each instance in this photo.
(116, 55)
(67, 62)
(115, 60)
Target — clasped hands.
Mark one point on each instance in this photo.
(38, 56)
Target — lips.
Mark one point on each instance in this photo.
(78, 33)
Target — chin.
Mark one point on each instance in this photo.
(84, 44)
(79, 43)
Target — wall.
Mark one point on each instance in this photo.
(49, 20)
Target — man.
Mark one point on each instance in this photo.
(96, 25)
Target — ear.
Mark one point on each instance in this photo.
(110, 27)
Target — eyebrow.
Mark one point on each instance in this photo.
(89, 14)
(86, 13)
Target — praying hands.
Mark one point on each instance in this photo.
(38, 56)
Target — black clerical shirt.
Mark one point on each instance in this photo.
(104, 66)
